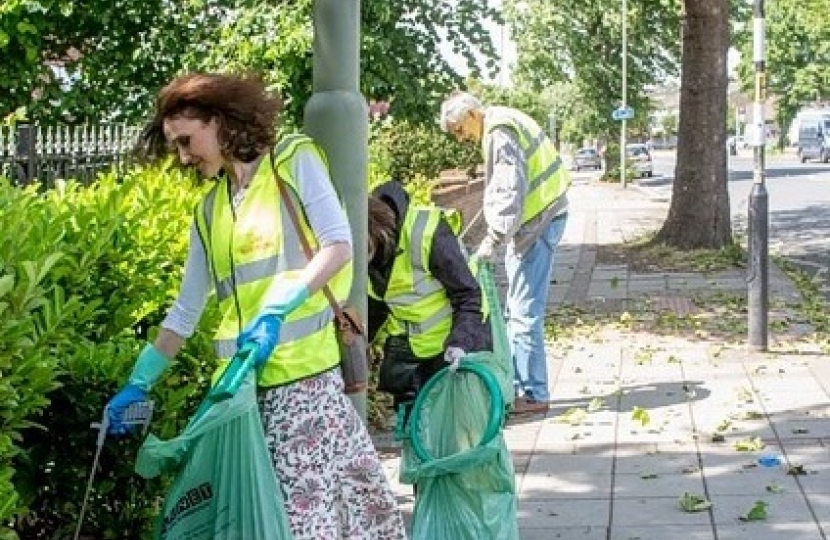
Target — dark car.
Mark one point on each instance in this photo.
(587, 158)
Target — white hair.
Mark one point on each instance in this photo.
(456, 106)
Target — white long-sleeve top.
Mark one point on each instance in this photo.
(326, 217)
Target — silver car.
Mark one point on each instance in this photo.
(587, 158)
(639, 158)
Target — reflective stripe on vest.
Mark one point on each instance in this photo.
(417, 302)
(547, 178)
(251, 249)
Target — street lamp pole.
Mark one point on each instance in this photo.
(624, 89)
(758, 276)
(337, 117)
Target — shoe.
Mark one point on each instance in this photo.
(523, 405)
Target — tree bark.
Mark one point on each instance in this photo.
(699, 212)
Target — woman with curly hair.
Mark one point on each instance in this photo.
(246, 250)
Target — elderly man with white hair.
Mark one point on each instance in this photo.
(525, 207)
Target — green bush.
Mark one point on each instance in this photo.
(612, 165)
(417, 149)
(85, 273)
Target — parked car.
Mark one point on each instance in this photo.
(639, 157)
(587, 158)
(814, 137)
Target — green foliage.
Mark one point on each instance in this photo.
(411, 149)
(797, 54)
(692, 502)
(97, 60)
(380, 157)
(85, 276)
(758, 512)
(31, 311)
(669, 124)
(579, 44)
(268, 38)
(537, 106)
(402, 59)
(105, 59)
(420, 190)
(612, 165)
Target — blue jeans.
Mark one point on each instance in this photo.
(528, 283)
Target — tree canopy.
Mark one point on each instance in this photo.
(579, 43)
(83, 60)
(68, 60)
(797, 54)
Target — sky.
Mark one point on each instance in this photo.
(505, 47)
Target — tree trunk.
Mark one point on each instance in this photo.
(699, 213)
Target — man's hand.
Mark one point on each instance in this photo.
(485, 250)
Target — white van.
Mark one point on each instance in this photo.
(814, 136)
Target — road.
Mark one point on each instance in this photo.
(799, 206)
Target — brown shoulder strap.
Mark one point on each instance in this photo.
(295, 219)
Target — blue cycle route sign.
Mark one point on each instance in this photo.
(623, 113)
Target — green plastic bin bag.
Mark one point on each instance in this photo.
(454, 452)
(226, 487)
(502, 362)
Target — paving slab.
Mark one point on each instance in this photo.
(555, 513)
(590, 469)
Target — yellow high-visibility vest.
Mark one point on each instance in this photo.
(547, 178)
(418, 304)
(254, 247)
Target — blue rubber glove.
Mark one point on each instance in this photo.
(149, 367)
(264, 331)
(119, 403)
(283, 298)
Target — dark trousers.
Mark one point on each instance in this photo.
(403, 374)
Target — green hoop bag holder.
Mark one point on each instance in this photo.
(454, 449)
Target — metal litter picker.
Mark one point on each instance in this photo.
(137, 415)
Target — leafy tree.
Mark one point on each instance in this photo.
(669, 124)
(93, 59)
(403, 61)
(580, 43)
(797, 55)
(268, 38)
(401, 58)
(699, 211)
(537, 106)
(105, 59)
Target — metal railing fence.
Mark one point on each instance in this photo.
(31, 153)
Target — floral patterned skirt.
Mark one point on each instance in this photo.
(331, 478)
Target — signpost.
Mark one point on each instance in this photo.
(623, 113)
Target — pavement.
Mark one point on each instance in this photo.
(657, 400)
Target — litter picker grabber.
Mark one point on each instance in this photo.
(137, 415)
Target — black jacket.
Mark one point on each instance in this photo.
(448, 265)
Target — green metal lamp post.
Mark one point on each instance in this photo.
(337, 117)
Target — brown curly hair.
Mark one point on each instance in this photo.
(244, 109)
